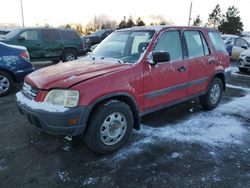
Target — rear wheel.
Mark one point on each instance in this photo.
(109, 128)
(6, 83)
(69, 55)
(213, 96)
(243, 69)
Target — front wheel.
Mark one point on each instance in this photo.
(213, 95)
(6, 83)
(110, 127)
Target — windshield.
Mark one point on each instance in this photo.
(98, 33)
(127, 46)
(11, 34)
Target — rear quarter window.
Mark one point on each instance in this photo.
(69, 35)
(217, 41)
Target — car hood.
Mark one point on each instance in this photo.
(65, 75)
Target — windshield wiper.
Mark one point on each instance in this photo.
(118, 60)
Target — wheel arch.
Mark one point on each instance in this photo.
(122, 97)
(221, 76)
(9, 72)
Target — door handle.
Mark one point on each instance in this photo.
(211, 61)
(182, 69)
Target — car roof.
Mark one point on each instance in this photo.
(229, 35)
(161, 27)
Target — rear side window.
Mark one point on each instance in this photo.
(50, 35)
(195, 44)
(69, 35)
(30, 35)
(217, 41)
(170, 42)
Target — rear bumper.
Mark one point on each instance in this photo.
(56, 122)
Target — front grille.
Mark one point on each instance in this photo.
(248, 58)
(29, 91)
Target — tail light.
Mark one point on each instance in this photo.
(25, 55)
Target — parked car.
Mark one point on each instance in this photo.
(244, 62)
(133, 72)
(95, 38)
(235, 45)
(245, 34)
(47, 43)
(14, 66)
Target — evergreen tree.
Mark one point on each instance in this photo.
(197, 21)
(231, 23)
(214, 18)
(130, 22)
(122, 24)
(139, 22)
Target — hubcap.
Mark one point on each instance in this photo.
(113, 128)
(70, 57)
(4, 84)
(215, 94)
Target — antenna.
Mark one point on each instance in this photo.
(190, 13)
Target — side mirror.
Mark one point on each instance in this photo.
(21, 38)
(244, 47)
(159, 57)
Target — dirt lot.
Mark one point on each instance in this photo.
(182, 146)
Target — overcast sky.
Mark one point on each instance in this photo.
(57, 12)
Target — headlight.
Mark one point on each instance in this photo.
(67, 98)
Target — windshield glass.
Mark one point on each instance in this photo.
(11, 34)
(126, 46)
(98, 33)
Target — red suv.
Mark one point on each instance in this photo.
(133, 72)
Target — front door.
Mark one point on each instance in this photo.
(166, 82)
(31, 40)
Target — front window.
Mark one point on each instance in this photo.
(30, 35)
(127, 46)
(12, 34)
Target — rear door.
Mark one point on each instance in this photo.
(166, 82)
(31, 40)
(52, 45)
(199, 61)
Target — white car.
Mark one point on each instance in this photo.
(244, 61)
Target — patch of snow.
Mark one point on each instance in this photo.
(39, 105)
(176, 155)
(191, 110)
(66, 148)
(91, 181)
(219, 127)
(238, 87)
(212, 153)
(69, 138)
(64, 176)
(70, 78)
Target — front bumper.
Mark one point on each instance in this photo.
(56, 122)
(244, 64)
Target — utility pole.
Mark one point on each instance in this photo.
(190, 13)
(22, 11)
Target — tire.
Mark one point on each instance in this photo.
(69, 55)
(243, 69)
(213, 95)
(6, 83)
(112, 118)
